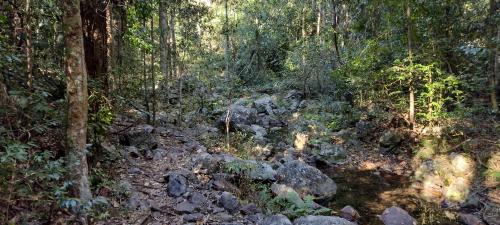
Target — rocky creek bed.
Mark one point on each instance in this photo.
(170, 177)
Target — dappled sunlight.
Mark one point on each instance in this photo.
(444, 176)
(300, 141)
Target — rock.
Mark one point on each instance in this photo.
(364, 130)
(285, 192)
(193, 217)
(224, 217)
(132, 152)
(492, 215)
(469, 219)
(322, 220)
(255, 218)
(294, 98)
(330, 153)
(306, 180)
(269, 121)
(349, 213)
(185, 207)
(205, 163)
(258, 130)
(159, 153)
(240, 115)
(221, 184)
(177, 185)
(140, 136)
(250, 209)
(265, 105)
(260, 171)
(197, 198)
(275, 220)
(390, 140)
(397, 216)
(229, 202)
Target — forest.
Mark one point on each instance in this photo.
(235, 112)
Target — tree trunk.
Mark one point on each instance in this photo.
(153, 82)
(145, 78)
(76, 80)
(226, 41)
(164, 41)
(108, 84)
(410, 56)
(28, 45)
(335, 18)
(494, 56)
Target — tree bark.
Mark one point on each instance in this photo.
(163, 39)
(76, 80)
(410, 56)
(28, 45)
(145, 78)
(494, 55)
(153, 81)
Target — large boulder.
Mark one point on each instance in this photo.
(176, 184)
(269, 121)
(239, 115)
(140, 136)
(397, 216)
(306, 180)
(322, 220)
(229, 202)
(275, 220)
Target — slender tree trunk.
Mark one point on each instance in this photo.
(145, 79)
(109, 49)
(163, 40)
(410, 56)
(494, 55)
(76, 80)
(226, 40)
(336, 31)
(153, 81)
(28, 46)
(173, 42)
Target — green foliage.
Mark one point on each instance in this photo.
(295, 209)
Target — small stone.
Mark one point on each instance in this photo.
(349, 213)
(177, 185)
(397, 216)
(275, 220)
(134, 170)
(250, 209)
(193, 217)
(224, 217)
(469, 219)
(322, 220)
(197, 198)
(185, 207)
(229, 202)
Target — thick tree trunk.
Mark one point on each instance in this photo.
(94, 19)
(76, 80)
(335, 18)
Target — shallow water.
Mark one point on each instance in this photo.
(370, 192)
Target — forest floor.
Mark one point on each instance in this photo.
(168, 175)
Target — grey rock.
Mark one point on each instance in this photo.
(265, 104)
(469, 219)
(306, 180)
(193, 217)
(134, 170)
(132, 152)
(390, 139)
(258, 131)
(240, 115)
(197, 198)
(322, 220)
(250, 209)
(275, 220)
(397, 216)
(330, 153)
(260, 171)
(177, 185)
(294, 98)
(365, 130)
(285, 192)
(349, 213)
(185, 207)
(224, 217)
(229, 202)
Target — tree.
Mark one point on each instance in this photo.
(76, 81)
